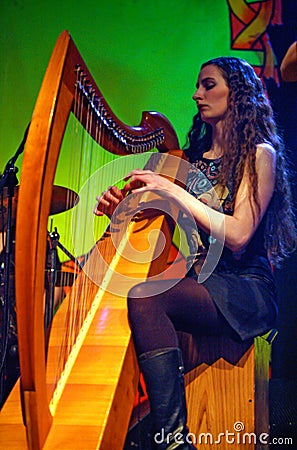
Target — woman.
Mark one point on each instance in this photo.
(233, 142)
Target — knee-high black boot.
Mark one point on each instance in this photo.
(163, 373)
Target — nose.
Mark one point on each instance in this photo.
(196, 95)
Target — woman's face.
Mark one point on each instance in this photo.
(211, 95)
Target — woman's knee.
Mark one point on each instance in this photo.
(141, 305)
(136, 303)
(137, 291)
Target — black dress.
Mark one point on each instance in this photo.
(241, 285)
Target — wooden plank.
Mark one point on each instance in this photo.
(227, 391)
(12, 429)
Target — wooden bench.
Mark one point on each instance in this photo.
(227, 389)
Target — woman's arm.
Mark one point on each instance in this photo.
(288, 66)
(241, 227)
(235, 231)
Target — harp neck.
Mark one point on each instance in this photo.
(153, 131)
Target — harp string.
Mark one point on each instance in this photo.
(84, 156)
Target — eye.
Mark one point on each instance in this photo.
(209, 85)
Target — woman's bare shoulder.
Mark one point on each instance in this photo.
(266, 154)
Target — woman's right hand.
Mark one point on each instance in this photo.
(108, 201)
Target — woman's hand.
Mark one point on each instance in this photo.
(108, 201)
(139, 181)
(146, 180)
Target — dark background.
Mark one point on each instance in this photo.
(283, 384)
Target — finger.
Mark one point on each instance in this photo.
(98, 213)
(139, 190)
(102, 205)
(135, 172)
(99, 197)
(126, 189)
(116, 192)
(128, 176)
(111, 199)
(96, 209)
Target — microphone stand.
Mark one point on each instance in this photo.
(9, 180)
(52, 259)
(52, 263)
(10, 166)
(51, 279)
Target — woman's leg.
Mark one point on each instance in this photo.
(154, 319)
(185, 306)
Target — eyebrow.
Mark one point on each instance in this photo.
(205, 80)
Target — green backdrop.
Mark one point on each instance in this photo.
(143, 55)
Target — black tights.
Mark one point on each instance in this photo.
(185, 306)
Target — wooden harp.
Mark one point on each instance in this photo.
(96, 401)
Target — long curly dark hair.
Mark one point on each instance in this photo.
(249, 121)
